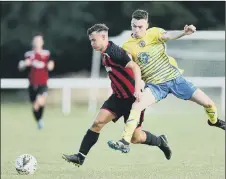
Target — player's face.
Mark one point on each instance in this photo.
(97, 41)
(38, 42)
(139, 27)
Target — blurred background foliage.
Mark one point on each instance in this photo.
(64, 26)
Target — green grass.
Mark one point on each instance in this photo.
(198, 150)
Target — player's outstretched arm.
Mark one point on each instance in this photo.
(188, 29)
(24, 64)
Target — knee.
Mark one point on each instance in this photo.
(139, 136)
(136, 139)
(97, 126)
(209, 104)
(41, 100)
(36, 106)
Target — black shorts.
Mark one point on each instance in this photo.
(34, 91)
(121, 107)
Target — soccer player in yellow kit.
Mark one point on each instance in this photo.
(160, 73)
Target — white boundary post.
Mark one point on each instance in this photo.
(66, 100)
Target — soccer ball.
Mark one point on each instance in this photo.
(26, 164)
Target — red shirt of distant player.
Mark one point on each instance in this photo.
(38, 73)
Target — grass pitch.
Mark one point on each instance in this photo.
(198, 150)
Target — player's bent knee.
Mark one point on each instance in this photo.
(41, 100)
(97, 126)
(209, 104)
(36, 106)
(202, 99)
(136, 139)
(102, 118)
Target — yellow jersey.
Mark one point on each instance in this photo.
(150, 54)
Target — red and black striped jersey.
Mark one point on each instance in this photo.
(115, 60)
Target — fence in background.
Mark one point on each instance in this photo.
(67, 84)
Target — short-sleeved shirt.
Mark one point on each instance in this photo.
(38, 73)
(115, 60)
(150, 54)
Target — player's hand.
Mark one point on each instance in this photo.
(50, 65)
(23, 64)
(27, 62)
(189, 29)
(138, 94)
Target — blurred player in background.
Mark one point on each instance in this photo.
(125, 79)
(38, 60)
(160, 73)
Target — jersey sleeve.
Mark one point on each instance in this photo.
(130, 49)
(119, 56)
(155, 34)
(125, 47)
(28, 55)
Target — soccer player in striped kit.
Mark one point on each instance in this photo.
(125, 79)
(39, 62)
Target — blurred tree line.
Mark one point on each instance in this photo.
(64, 26)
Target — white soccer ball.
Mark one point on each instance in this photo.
(26, 164)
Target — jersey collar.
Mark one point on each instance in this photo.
(109, 43)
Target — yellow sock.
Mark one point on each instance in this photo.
(212, 114)
(131, 125)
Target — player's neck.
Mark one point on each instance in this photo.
(105, 47)
(37, 50)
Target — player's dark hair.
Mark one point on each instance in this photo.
(97, 28)
(38, 34)
(140, 14)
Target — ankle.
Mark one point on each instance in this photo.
(81, 156)
(124, 142)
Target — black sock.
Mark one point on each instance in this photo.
(41, 109)
(36, 114)
(152, 139)
(87, 143)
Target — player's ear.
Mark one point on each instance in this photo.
(147, 26)
(105, 36)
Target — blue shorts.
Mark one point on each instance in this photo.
(179, 87)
